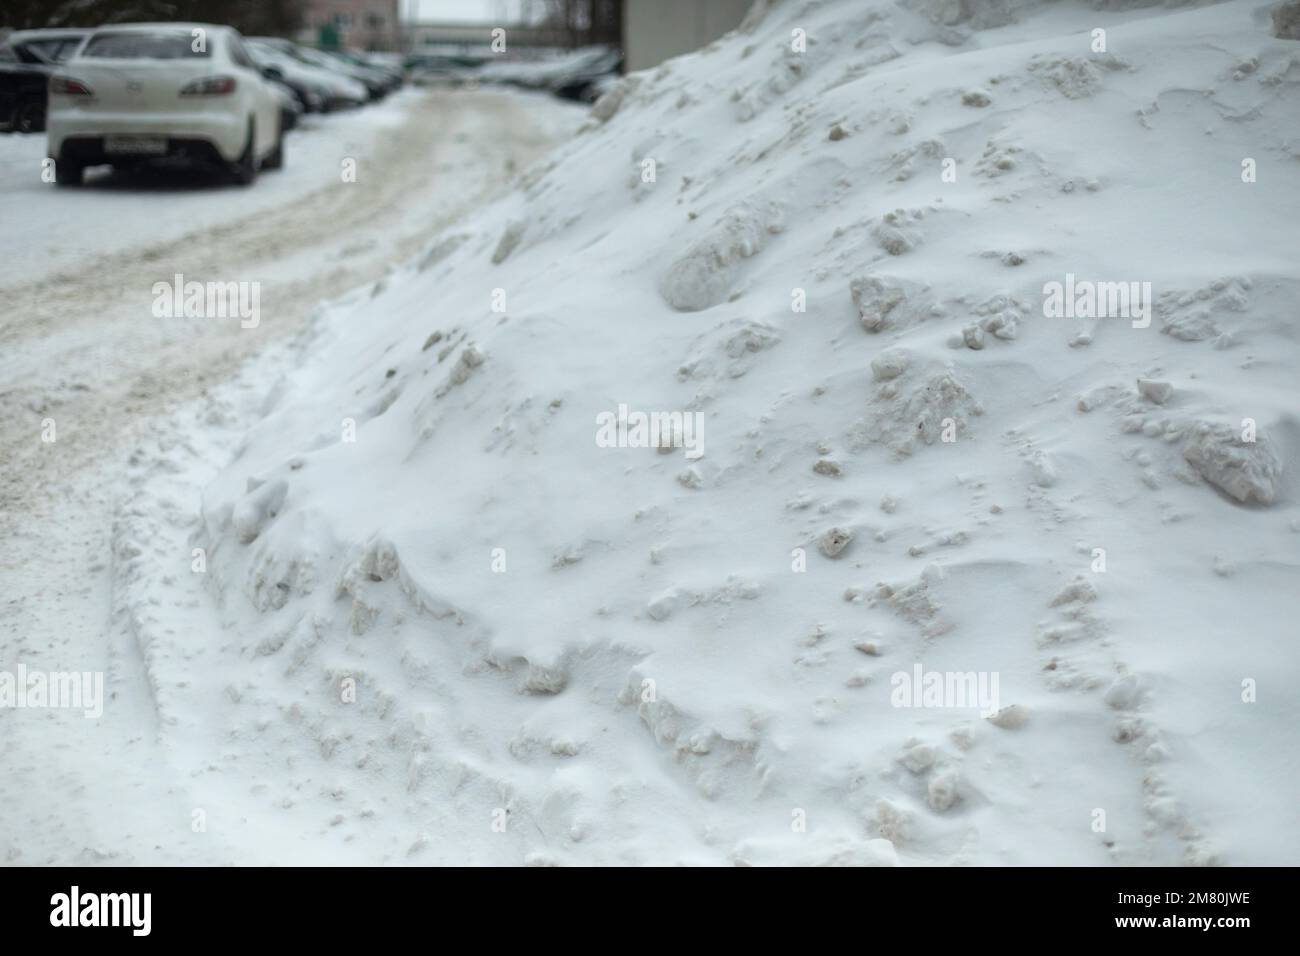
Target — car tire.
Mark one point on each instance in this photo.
(244, 172)
(68, 173)
(275, 159)
(30, 116)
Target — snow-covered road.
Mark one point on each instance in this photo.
(84, 360)
(79, 342)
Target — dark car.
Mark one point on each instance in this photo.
(27, 58)
(573, 74)
(588, 79)
(391, 76)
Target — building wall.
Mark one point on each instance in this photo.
(360, 24)
(656, 30)
(478, 36)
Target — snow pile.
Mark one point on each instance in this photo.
(460, 627)
(705, 273)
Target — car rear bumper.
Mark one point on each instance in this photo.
(225, 133)
(89, 151)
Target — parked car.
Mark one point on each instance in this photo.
(27, 58)
(22, 93)
(290, 107)
(573, 74)
(51, 46)
(443, 69)
(390, 76)
(134, 92)
(589, 79)
(311, 94)
(385, 60)
(378, 83)
(333, 90)
(375, 85)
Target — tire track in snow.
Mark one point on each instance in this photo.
(84, 349)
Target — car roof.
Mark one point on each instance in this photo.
(26, 36)
(161, 25)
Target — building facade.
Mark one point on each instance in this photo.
(657, 30)
(353, 24)
(651, 30)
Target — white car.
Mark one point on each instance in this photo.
(335, 90)
(143, 90)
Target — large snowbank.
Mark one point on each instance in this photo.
(613, 654)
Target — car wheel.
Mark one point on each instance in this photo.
(245, 171)
(30, 116)
(68, 173)
(275, 159)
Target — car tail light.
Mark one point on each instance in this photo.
(67, 86)
(210, 86)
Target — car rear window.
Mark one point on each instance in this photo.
(144, 46)
(50, 50)
(57, 50)
(45, 50)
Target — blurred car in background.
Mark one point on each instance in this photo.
(375, 84)
(290, 107)
(49, 46)
(142, 91)
(392, 76)
(590, 78)
(332, 88)
(443, 68)
(314, 93)
(574, 74)
(27, 58)
(386, 60)
(379, 83)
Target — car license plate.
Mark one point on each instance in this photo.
(136, 145)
